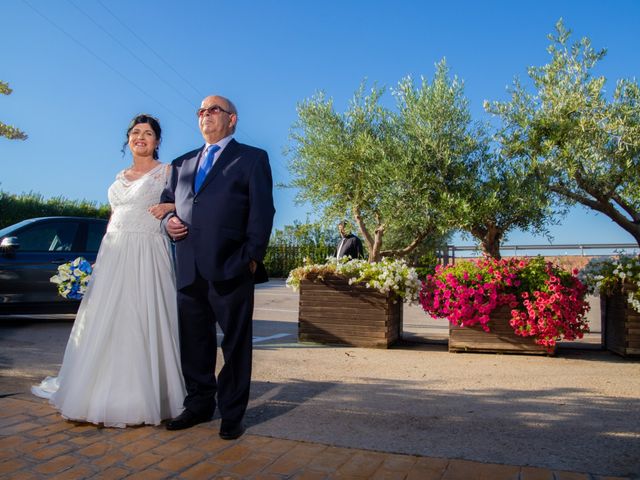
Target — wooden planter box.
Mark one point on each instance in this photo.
(621, 325)
(500, 339)
(334, 312)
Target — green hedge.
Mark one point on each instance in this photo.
(15, 208)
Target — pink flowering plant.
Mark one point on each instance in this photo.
(546, 301)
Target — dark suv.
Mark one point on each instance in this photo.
(30, 252)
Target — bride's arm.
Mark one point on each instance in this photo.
(160, 210)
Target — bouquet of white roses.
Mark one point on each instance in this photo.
(72, 278)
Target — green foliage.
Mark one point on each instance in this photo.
(305, 234)
(503, 194)
(584, 143)
(15, 208)
(395, 172)
(291, 246)
(412, 175)
(535, 276)
(7, 131)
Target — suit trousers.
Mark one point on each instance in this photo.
(201, 305)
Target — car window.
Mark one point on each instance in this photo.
(8, 231)
(94, 235)
(48, 237)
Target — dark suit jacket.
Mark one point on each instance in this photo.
(351, 247)
(229, 219)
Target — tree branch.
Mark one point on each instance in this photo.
(409, 248)
(626, 207)
(633, 227)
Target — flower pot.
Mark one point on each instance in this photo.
(500, 339)
(334, 312)
(621, 325)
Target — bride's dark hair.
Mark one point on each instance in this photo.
(155, 126)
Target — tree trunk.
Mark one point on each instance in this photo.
(490, 237)
(491, 248)
(374, 242)
(374, 253)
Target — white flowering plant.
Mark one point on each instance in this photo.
(389, 276)
(73, 278)
(614, 274)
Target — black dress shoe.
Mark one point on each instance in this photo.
(187, 419)
(231, 430)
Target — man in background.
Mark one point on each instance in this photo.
(349, 245)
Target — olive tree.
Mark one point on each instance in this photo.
(7, 131)
(583, 142)
(503, 194)
(392, 171)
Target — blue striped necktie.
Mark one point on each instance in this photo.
(205, 167)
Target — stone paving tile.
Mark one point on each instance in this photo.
(37, 443)
(330, 459)
(384, 474)
(459, 469)
(149, 474)
(112, 459)
(144, 445)
(112, 473)
(56, 464)
(7, 443)
(181, 461)
(29, 446)
(10, 466)
(535, 473)
(361, 464)
(287, 465)
(201, 470)
(310, 475)
(87, 438)
(133, 434)
(252, 465)
(74, 473)
(25, 475)
(18, 428)
(572, 476)
(95, 450)
(51, 429)
(48, 452)
(600, 477)
(12, 420)
(260, 476)
(142, 461)
(231, 455)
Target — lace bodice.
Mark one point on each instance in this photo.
(131, 199)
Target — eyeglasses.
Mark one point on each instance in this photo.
(213, 110)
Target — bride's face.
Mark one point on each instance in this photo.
(142, 140)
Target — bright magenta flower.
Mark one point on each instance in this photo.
(547, 302)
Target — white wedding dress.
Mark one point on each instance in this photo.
(122, 362)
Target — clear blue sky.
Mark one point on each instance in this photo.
(81, 71)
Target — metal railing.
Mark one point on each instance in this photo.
(450, 254)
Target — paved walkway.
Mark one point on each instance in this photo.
(36, 443)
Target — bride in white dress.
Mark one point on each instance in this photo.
(122, 362)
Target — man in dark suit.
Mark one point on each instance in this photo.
(349, 245)
(221, 227)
